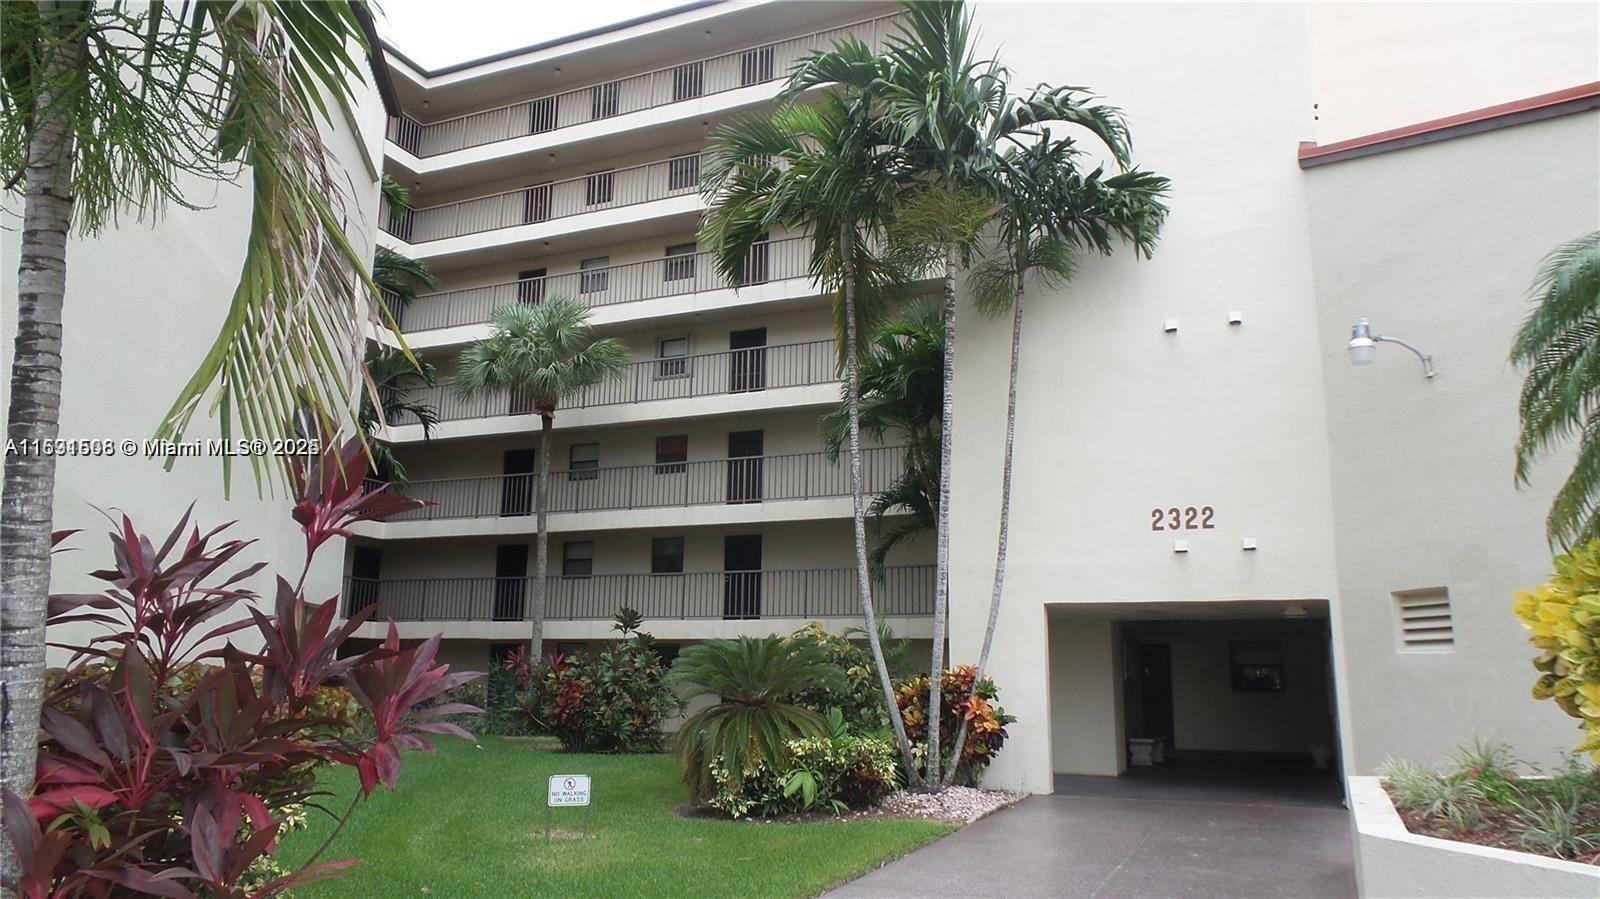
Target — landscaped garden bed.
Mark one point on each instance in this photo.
(469, 821)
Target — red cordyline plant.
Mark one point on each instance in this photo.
(156, 776)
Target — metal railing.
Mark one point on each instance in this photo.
(673, 84)
(734, 481)
(609, 189)
(798, 593)
(675, 377)
(772, 260)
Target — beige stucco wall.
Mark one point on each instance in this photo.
(144, 303)
(1438, 245)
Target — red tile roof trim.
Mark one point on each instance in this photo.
(1504, 115)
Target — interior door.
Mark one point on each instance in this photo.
(744, 466)
(747, 360)
(516, 488)
(741, 579)
(366, 568)
(510, 580)
(1155, 664)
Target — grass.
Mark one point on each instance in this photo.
(470, 822)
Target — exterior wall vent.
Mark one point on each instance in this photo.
(1424, 621)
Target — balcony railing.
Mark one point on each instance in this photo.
(800, 593)
(610, 189)
(673, 377)
(661, 87)
(773, 260)
(735, 481)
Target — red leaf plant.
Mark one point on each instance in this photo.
(168, 755)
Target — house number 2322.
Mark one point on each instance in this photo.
(1187, 518)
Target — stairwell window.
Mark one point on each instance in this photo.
(674, 355)
(594, 275)
(666, 555)
(583, 462)
(577, 558)
(672, 454)
(679, 265)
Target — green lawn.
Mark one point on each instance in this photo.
(470, 822)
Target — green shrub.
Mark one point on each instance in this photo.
(858, 695)
(757, 679)
(835, 773)
(614, 701)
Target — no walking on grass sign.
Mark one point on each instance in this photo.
(567, 791)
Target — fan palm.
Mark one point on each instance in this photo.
(394, 375)
(818, 167)
(107, 108)
(547, 352)
(1558, 346)
(755, 678)
(949, 115)
(901, 390)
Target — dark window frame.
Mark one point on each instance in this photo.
(1255, 666)
(594, 278)
(666, 555)
(583, 469)
(600, 188)
(680, 261)
(672, 460)
(571, 565)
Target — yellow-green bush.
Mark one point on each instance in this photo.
(1563, 615)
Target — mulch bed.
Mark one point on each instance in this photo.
(1496, 834)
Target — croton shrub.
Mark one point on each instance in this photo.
(982, 716)
(170, 759)
(614, 700)
(1563, 617)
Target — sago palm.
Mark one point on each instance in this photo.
(112, 109)
(1558, 346)
(547, 352)
(818, 167)
(755, 679)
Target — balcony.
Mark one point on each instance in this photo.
(730, 372)
(736, 481)
(682, 83)
(653, 279)
(720, 595)
(552, 200)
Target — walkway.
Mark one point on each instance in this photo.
(1151, 834)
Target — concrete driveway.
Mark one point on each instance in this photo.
(1141, 836)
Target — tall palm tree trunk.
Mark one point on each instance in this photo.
(1005, 525)
(541, 542)
(858, 506)
(34, 415)
(941, 590)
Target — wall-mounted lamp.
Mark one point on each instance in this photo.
(1363, 341)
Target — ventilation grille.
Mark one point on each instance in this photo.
(1425, 620)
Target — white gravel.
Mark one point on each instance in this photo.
(958, 805)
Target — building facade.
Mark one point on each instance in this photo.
(1226, 540)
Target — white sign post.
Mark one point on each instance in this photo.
(567, 791)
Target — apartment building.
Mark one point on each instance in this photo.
(1227, 542)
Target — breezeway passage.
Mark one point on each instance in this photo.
(1146, 834)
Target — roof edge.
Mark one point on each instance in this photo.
(545, 45)
(1580, 98)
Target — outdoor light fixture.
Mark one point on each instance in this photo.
(1363, 341)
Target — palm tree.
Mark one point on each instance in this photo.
(396, 275)
(818, 167)
(755, 679)
(1558, 346)
(901, 394)
(394, 375)
(948, 114)
(107, 108)
(549, 352)
(1051, 211)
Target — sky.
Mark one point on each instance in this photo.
(438, 33)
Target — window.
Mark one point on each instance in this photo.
(755, 66)
(577, 558)
(674, 355)
(583, 462)
(666, 555)
(598, 186)
(542, 115)
(1424, 620)
(680, 262)
(595, 276)
(1257, 667)
(603, 99)
(672, 454)
(688, 81)
(530, 286)
(683, 172)
(536, 202)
